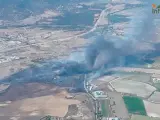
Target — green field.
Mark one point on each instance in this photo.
(157, 85)
(104, 108)
(134, 105)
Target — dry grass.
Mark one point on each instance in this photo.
(152, 109)
(155, 97)
(51, 105)
(133, 87)
(39, 106)
(35, 100)
(143, 70)
(140, 117)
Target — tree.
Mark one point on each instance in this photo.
(47, 118)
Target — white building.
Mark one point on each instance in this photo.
(113, 118)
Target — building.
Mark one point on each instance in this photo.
(69, 97)
(113, 118)
(99, 94)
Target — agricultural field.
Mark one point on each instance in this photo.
(152, 109)
(157, 85)
(135, 105)
(142, 89)
(141, 77)
(118, 107)
(155, 97)
(137, 77)
(104, 108)
(140, 117)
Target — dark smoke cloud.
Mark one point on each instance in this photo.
(138, 46)
(100, 53)
(106, 53)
